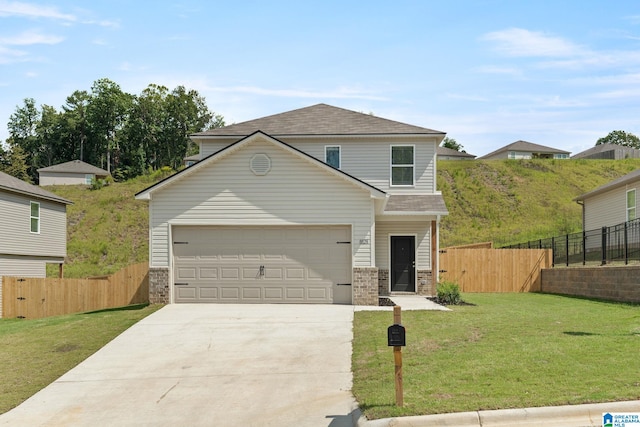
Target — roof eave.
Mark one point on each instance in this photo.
(37, 196)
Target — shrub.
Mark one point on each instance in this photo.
(448, 293)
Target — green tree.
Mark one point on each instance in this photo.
(107, 114)
(620, 137)
(22, 128)
(452, 144)
(75, 123)
(13, 162)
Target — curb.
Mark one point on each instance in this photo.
(587, 415)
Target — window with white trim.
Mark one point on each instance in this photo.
(631, 204)
(35, 217)
(88, 179)
(332, 155)
(402, 165)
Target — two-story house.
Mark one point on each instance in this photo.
(33, 231)
(315, 205)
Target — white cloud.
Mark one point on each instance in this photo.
(33, 11)
(521, 42)
(29, 38)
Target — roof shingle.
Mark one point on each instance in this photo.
(75, 166)
(15, 185)
(320, 119)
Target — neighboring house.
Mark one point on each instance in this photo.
(191, 160)
(612, 203)
(33, 230)
(609, 152)
(71, 173)
(315, 205)
(445, 153)
(526, 150)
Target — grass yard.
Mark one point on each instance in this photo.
(34, 353)
(506, 351)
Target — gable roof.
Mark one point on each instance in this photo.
(619, 182)
(422, 204)
(75, 166)
(15, 185)
(146, 193)
(320, 119)
(444, 151)
(525, 146)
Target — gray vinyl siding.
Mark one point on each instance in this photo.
(294, 192)
(422, 231)
(367, 159)
(63, 178)
(17, 239)
(610, 208)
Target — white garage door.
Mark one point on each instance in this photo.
(262, 264)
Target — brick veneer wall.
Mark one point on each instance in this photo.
(383, 282)
(609, 283)
(425, 283)
(365, 286)
(158, 285)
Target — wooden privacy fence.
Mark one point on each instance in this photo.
(494, 270)
(33, 298)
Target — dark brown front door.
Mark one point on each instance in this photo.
(403, 264)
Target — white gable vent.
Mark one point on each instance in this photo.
(260, 164)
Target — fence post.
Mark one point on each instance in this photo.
(584, 247)
(604, 245)
(566, 248)
(553, 252)
(626, 247)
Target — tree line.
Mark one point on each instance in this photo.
(125, 134)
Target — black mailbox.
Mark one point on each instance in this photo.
(396, 336)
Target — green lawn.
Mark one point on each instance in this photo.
(34, 353)
(506, 351)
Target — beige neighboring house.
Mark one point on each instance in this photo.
(33, 230)
(75, 172)
(445, 153)
(611, 204)
(315, 205)
(191, 160)
(608, 152)
(526, 150)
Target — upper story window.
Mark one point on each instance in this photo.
(35, 217)
(332, 155)
(631, 204)
(402, 165)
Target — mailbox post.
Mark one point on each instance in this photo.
(397, 339)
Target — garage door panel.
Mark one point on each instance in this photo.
(229, 273)
(230, 293)
(300, 264)
(251, 294)
(274, 294)
(208, 294)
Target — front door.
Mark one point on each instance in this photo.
(403, 264)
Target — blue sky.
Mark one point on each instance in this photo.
(487, 72)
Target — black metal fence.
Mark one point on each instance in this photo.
(618, 243)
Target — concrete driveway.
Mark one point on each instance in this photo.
(210, 365)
